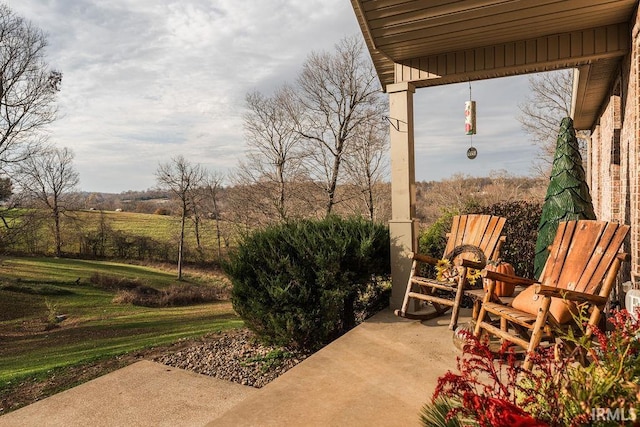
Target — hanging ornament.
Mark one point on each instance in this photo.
(470, 124)
(470, 117)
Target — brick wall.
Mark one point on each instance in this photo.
(598, 191)
(614, 153)
(630, 141)
(605, 162)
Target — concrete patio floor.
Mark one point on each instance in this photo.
(378, 374)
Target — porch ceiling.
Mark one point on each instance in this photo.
(435, 42)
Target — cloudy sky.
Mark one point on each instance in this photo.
(146, 80)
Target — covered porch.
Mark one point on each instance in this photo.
(423, 43)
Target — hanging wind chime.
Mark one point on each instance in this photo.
(470, 123)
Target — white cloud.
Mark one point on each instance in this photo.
(145, 80)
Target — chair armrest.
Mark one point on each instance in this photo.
(424, 258)
(516, 280)
(478, 265)
(570, 295)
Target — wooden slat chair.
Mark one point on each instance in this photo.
(481, 232)
(583, 263)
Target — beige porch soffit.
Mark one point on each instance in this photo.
(435, 42)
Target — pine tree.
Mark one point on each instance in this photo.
(567, 196)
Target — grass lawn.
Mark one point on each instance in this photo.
(63, 271)
(34, 290)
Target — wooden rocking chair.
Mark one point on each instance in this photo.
(581, 269)
(474, 237)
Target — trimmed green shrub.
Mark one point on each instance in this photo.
(433, 240)
(520, 230)
(297, 284)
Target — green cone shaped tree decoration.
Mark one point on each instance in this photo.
(567, 196)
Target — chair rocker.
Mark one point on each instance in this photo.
(580, 272)
(473, 237)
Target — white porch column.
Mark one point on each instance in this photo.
(402, 227)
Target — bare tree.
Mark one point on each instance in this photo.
(367, 164)
(48, 179)
(181, 178)
(6, 188)
(195, 205)
(205, 202)
(239, 215)
(339, 93)
(27, 87)
(542, 111)
(273, 157)
(212, 189)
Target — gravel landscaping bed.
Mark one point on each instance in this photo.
(234, 356)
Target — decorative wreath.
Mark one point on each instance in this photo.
(447, 272)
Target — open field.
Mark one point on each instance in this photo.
(33, 291)
(157, 227)
(162, 228)
(113, 235)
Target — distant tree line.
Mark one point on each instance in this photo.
(216, 216)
